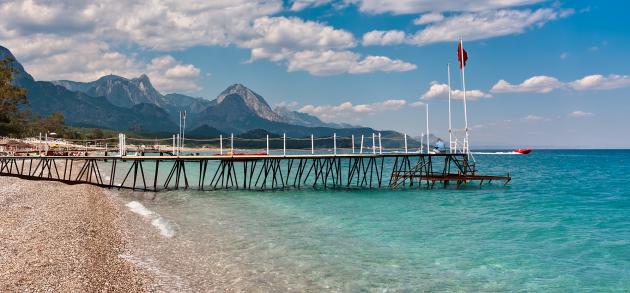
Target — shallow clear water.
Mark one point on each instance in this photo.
(562, 224)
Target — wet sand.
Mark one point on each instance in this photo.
(57, 237)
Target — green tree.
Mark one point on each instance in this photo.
(11, 97)
(96, 133)
(52, 123)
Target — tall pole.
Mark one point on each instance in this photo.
(380, 146)
(373, 143)
(312, 145)
(232, 144)
(221, 144)
(405, 143)
(421, 141)
(353, 143)
(179, 135)
(361, 149)
(267, 144)
(335, 143)
(450, 125)
(284, 144)
(184, 131)
(461, 50)
(173, 145)
(428, 137)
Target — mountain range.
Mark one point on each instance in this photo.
(119, 103)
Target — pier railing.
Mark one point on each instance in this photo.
(251, 171)
(366, 143)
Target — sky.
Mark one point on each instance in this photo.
(540, 73)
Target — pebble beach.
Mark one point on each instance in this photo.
(71, 238)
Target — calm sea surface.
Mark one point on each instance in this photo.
(562, 224)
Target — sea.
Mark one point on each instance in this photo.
(561, 225)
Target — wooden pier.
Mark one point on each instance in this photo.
(252, 171)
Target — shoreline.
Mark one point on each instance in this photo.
(62, 237)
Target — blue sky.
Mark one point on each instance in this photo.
(541, 73)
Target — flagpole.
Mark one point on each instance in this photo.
(428, 137)
(450, 128)
(463, 65)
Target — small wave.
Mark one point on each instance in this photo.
(163, 225)
(138, 208)
(166, 229)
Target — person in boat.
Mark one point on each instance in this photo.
(439, 146)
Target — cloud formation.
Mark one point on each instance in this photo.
(535, 84)
(298, 5)
(473, 25)
(484, 25)
(532, 117)
(546, 84)
(106, 35)
(384, 38)
(428, 18)
(321, 63)
(580, 114)
(440, 90)
(349, 110)
(423, 6)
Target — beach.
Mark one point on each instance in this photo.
(57, 237)
(542, 232)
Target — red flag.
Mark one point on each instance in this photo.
(459, 55)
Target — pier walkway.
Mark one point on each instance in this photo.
(251, 171)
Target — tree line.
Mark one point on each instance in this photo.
(18, 121)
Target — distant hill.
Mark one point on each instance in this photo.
(80, 109)
(120, 103)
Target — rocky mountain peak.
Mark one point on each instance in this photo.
(254, 101)
(20, 76)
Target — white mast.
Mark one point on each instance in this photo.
(463, 67)
(450, 124)
(184, 131)
(428, 139)
(421, 141)
(179, 135)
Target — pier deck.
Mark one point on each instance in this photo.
(250, 171)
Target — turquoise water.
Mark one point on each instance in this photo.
(562, 224)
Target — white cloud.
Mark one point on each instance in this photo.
(381, 63)
(546, 84)
(276, 37)
(600, 82)
(422, 6)
(580, 114)
(57, 34)
(82, 41)
(299, 5)
(349, 110)
(536, 84)
(28, 17)
(564, 55)
(428, 18)
(383, 38)
(330, 62)
(441, 90)
(532, 117)
(169, 75)
(315, 48)
(484, 25)
(287, 104)
(417, 104)
(81, 59)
